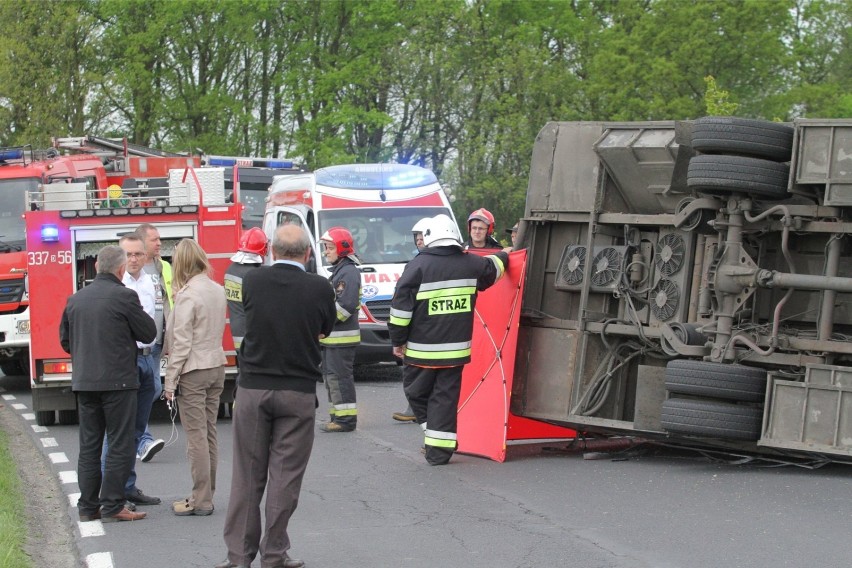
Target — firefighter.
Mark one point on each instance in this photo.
(480, 228)
(252, 250)
(407, 415)
(338, 354)
(431, 328)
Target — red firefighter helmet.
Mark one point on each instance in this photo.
(484, 215)
(254, 241)
(342, 239)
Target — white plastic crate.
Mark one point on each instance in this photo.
(212, 182)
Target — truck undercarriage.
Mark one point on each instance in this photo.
(687, 282)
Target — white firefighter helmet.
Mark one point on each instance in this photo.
(440, 231)
(421, 225)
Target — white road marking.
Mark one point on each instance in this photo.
(9, 397)
(91, 528)
(28, 416)
(72, 499)
(99, 560)
(39, 429)
(58, 457)
(19, 406)
(68, 477)
(49, 442)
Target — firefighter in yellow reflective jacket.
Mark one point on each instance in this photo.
(431, 327)
(338, 354)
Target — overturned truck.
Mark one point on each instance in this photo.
(690, 282)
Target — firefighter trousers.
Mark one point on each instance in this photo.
(433, 394)
(337, 370)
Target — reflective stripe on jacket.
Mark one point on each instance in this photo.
(433, 307)
(346, 281)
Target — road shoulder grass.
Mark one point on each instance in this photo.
(13, 535)
(35, 529)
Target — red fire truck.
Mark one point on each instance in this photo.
(97, 162)
(66, 226)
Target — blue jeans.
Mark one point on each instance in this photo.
(144, 399)
(156, 351)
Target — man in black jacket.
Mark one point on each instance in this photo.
(287, 312)
(100, 327)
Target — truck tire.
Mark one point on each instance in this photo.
(68, 417)
(45, 417)
(743, 137)
(716, 380)
(711, 419)
(726, 174)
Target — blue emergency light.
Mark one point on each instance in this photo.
(227, 161)
(49, 233)
(7, 154)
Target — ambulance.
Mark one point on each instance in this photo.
(379, 204)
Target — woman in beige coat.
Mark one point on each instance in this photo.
(197, 366)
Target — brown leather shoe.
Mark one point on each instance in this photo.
(84, 518)
(124, 515)
(229, 564)
(289, 563)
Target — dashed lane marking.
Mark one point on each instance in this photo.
(39, 429)
(28, 416)
(72, 499)
(91, 528)
(99, 560)
(49, 442)
(58, 457)
(9, 397)
(19, 406)
(68, 477)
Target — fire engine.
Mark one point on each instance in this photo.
(98, 162)
(379, 204)
(686, 284)
(67, 224)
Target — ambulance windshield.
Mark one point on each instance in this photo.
(12, 202)
(382, 235)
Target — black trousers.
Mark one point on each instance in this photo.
(339, 377)
(110, 413)
(434, 397)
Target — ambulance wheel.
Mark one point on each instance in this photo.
(45, 417)
(226, 410)
(762, 179)
(716, 380)
(67, 417)
(711, 419)
(743, 137)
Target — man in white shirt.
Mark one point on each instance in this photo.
(136, 279)
(160, 272)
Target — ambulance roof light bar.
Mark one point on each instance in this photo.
(230, 161)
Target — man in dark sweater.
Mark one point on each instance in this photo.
(100, 327)
(287, 312)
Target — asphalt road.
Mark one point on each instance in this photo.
(370, 500)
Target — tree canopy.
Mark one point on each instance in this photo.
(458, 86)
